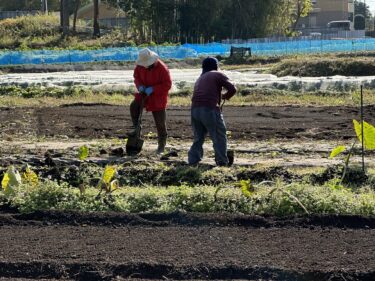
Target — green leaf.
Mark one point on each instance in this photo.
(336, 151)
(29, 176)
(369, 134)
(83, 152)
(108, 174)
(5, 182)
(246, 188)
(12, 178)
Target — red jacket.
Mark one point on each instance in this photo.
(159, 78)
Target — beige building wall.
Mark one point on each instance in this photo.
(325, 11)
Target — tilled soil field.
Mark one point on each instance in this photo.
(250, 123)
(109, 246)
(180, 246)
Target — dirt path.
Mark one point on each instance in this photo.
(94, 247)
(248, 123)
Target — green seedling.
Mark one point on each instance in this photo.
(106, 183)
(247, 188)
(83, 152)
(30, 177)
(12, 178)
(368, 142)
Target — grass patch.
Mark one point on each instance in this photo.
(54, 96)
(43, 32)
(262, 201)
(311, 67)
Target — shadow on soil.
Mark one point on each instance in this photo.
(180, 219)
(107, 271)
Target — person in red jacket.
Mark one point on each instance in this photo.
(152, 79)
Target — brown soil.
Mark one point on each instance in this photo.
(252, 123)
(177, 246)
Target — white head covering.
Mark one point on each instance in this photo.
(146, 57)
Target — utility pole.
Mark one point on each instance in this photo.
(364, 2)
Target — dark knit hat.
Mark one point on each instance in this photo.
(210, 64)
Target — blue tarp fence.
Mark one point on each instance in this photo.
(185, 51)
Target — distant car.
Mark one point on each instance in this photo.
(315, 34)
(339, 24)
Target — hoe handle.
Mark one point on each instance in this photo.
(221, 106)
(139, 123)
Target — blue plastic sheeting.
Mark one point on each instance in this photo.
(288, 47)
(185, 51)
(76, 56)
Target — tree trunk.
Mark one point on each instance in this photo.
(65, 17)
(44, 6)
(96, 22)
(61, 14)
(78, 4)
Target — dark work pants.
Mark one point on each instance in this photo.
(208, 120)
(160, 118)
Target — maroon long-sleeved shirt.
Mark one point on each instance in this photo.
(207, 89)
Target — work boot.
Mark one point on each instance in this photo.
(162, 142)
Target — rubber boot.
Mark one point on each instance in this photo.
(162, 142)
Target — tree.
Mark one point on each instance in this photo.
(64, 17)
(96, 17)
(303, 8)
(26, 5)
(76, 8)
(361, 14)
(208, 20)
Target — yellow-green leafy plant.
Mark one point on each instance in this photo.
(368, 142)
(247, 188)
(83, 152)
(107, 183)
(30, 177)
(11, 180)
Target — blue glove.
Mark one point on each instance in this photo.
(141, 89)
(149, 91)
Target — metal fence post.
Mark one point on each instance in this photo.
(362, 132)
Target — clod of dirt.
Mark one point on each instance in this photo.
(49, 161)
(119, 151)
(268, 174)
(103, 151)
(166, 156)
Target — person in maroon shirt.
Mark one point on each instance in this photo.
(152, 79)
(206, 116)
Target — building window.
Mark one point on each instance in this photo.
(351, 16)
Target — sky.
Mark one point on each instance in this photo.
(371, 4)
